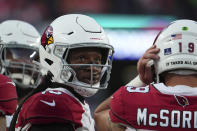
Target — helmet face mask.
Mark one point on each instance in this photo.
(68, 58)
(86, 71)
(177, 45)
(69, 73)
(18, 65)
(18, 52)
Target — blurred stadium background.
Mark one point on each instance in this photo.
(131, 26)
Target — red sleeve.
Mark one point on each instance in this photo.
(117, 106)
(8, 96)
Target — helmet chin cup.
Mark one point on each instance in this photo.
(24, 80)
(81, 88)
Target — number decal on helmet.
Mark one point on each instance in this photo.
(190, 47)
(177, 44)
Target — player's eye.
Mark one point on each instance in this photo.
(97, 60)
(81, 59)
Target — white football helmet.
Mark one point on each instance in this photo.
(178, 48)
(19, 45)
(70, 32)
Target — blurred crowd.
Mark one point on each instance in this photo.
(34, 11)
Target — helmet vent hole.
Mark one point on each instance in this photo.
(49, 61)
(70, 33)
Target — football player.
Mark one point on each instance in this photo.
(77, 58)
(8, 99)
(167, 104)
(18, 48)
